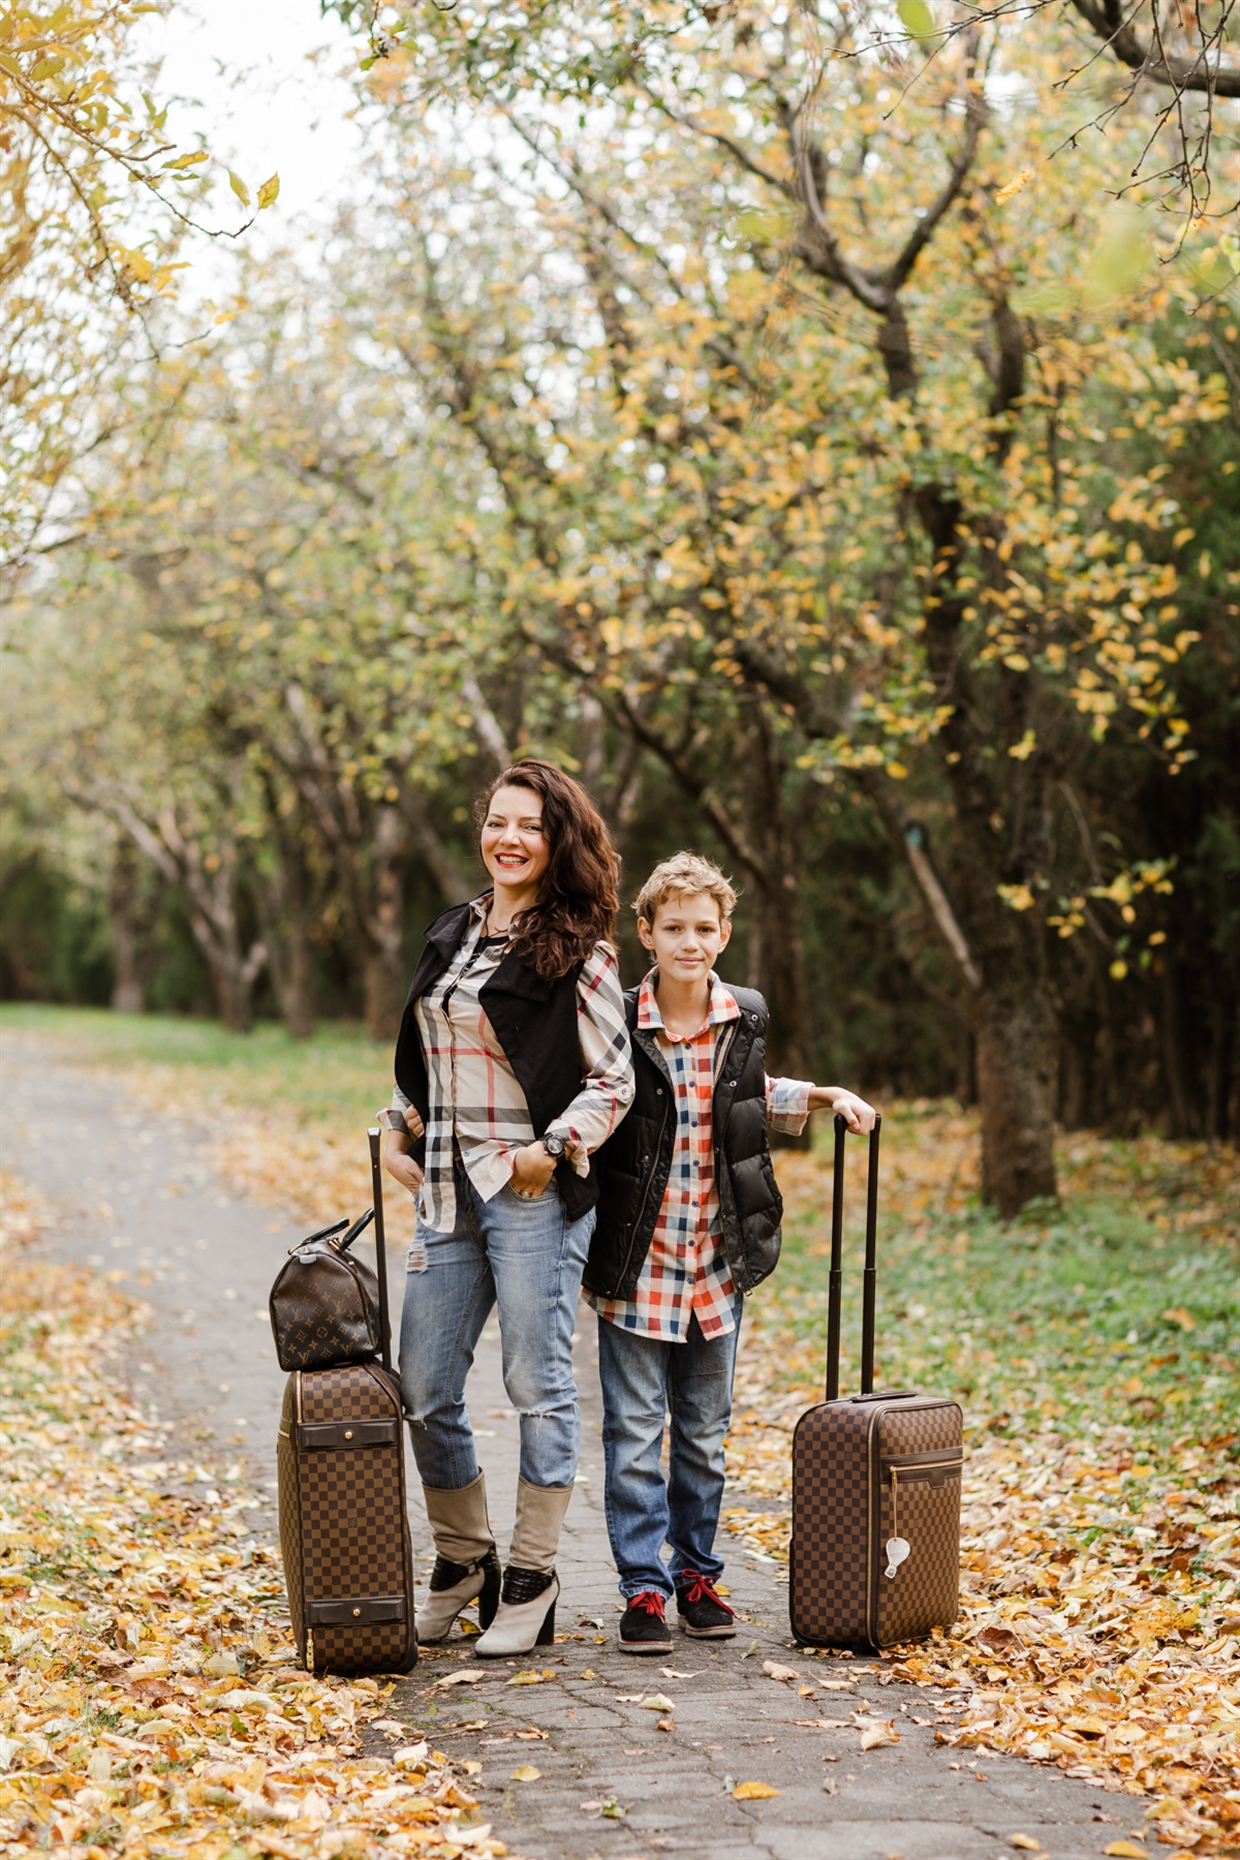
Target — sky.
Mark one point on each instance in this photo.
(271, 88)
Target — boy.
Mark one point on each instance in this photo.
(688, 1222)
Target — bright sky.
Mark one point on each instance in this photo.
(264, 103)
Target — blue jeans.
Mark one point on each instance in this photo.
(642, 1377)
(527, 1257)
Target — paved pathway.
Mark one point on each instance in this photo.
(139, 1197)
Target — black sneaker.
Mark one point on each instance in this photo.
(703, 1615)
(642, 1627)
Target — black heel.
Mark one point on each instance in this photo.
(488, 1599)
(546, 1633)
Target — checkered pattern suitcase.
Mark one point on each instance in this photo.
(344, 1520)
(875, 1555)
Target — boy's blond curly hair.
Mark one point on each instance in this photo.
(683, 876)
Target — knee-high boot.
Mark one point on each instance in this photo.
(466, 1561)
(525, 1617)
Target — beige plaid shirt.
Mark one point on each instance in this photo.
(475, 1102)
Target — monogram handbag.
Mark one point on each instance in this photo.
(325, 1305)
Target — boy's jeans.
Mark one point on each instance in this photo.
(527, 1257)
(640, 1376)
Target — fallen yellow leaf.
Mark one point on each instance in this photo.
(1087, 1726)
(753, 1791)
(464, 1676)
(532, 1678)
(658, 1701)
(527, 1773)
(774, 1670)
(876, 1734)
(1027, 1842)
(1126, 1850)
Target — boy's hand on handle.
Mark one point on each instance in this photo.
(857, 1114)
(532, 1169)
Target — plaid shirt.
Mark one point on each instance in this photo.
(686, 1270)
(475, 1102)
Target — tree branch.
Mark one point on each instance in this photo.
(1120, 37)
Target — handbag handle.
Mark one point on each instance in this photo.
(376, 1179)
(870, 1281)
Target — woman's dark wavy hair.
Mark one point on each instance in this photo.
(580, 889)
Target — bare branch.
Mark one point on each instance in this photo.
(1120, 37)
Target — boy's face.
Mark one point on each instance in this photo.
(687, 936)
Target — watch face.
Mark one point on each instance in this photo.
(554, 1146)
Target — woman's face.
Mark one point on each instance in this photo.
(514, 849)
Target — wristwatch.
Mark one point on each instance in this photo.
(555, 1146)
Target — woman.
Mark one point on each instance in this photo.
(512, 1065)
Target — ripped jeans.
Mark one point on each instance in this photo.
(526, 1257)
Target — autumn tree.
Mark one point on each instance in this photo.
(96, 201)
(793, 458)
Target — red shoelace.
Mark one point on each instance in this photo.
(697, 1589)
(650, 1600)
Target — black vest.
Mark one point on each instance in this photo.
(634, 1164)
(536, 1024)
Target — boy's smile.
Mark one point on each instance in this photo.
(686, 939)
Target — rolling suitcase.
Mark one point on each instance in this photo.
(344, 1520)
(875, 1554)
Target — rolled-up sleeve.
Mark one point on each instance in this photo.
(787, 1105)
(606, 1060)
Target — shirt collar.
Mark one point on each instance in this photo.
(723, 1004)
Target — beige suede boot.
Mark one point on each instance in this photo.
(466, 1563)
(525, 1617)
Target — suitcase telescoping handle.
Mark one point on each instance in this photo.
(837, 1264)
(376, 1181)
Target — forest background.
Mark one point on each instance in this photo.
(816, 429)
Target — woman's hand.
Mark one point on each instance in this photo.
(532, 1169)
(400, 1165)
(857, 1114)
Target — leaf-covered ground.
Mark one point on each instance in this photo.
(1093, 1347)
(149, 1704)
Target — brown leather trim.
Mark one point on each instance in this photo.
(355, 1610)
(932, 1466)
(336, 1436)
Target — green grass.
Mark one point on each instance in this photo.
(340, 1074)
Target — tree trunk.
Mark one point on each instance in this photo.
(208, 886)
(384, 974)
(776, 906)
(1017, 1044)
(210, 889)
(1181, 1122)
(131, 915)
(386, 986)
(297, 1003)
(233, 983)
(288, 905)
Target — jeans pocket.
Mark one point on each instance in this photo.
(550, 1192)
